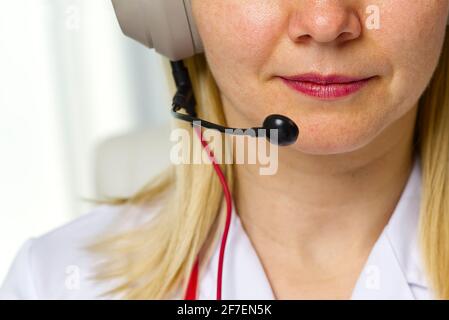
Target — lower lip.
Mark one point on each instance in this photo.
(326, 91)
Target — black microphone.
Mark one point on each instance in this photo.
(287, 130)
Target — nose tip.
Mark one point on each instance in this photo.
(325, 25)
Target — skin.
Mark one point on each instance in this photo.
(338, 185)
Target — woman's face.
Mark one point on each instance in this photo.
(251, 45)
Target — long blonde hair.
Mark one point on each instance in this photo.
(154, 260)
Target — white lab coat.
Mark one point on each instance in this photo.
(53, 266)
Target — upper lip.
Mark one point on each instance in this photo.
(324, 79)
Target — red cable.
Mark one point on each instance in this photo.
(191, 289)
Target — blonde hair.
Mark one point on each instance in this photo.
(432, 142)
(154, 260)
(163, 251)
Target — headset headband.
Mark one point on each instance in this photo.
(165, 25)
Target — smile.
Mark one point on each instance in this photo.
(325, 87)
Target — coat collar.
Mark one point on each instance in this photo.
(395, 263)
(392, 268)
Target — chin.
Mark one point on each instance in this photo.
(331, 141)
(328, 148)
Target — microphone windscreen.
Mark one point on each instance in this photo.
(287, 129)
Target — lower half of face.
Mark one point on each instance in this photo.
(254, 48)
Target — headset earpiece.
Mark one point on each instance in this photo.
(165, 25)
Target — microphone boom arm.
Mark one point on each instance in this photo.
(210, 125)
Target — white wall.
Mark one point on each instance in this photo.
(68, 80)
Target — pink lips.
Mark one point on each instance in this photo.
(325, 87)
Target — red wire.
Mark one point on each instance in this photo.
(228, 198)
(191, 289)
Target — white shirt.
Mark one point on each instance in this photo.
(53, 266)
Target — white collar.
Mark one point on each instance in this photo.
(393, 267)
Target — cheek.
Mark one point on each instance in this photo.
(411, 38)
(413, 49)
(240, 34)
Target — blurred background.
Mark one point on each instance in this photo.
(81, 107)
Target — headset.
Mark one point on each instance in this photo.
(168, 27)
